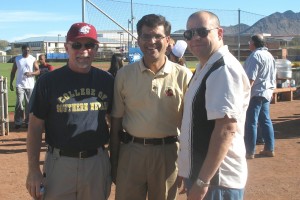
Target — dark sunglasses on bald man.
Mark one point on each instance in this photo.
(78, 45)
(202, 32)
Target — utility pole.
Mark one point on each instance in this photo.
(132, 19)
(58, 42)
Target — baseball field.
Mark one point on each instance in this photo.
(269, 178)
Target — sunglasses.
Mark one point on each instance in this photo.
(78, 45)
(202, 32)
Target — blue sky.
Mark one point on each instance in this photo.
(23, 19)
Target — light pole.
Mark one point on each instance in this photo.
(58, 42)
(128, 43)
(121, 33)
(132, 18)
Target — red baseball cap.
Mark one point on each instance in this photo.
(82, 30)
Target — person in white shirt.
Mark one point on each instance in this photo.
(27, 68)
(212, 150)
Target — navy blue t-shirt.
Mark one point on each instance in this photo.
(73, 106)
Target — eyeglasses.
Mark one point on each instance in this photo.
(202, 32)
(147, 37)
(78, 45)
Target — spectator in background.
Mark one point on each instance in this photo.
(26, 67)
(261, 71)
(44, 66)
(177, 52)
(146, 116)
(170, 46)
(212, 150)
(117, 61)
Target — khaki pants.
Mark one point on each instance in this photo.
(149, 169)
(77, 179)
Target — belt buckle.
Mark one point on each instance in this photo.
(82, 154)
(147, 143)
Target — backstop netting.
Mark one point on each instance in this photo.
(122, 12)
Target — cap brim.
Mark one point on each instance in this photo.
(79, 37)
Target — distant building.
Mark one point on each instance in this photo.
(119, 41)
(43, 44)
(2, 53)
(110, 42)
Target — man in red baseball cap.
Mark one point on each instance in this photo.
(71, 104)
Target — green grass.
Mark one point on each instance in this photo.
(5, 69)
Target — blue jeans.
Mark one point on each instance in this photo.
(22, 94)
(259, 138)
(259, 112)
(218, 192)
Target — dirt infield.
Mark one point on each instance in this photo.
(275, 178)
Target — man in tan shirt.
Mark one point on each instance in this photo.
(146, 117)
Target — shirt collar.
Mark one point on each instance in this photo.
(215, 57)
(167, 68)
(261, 48)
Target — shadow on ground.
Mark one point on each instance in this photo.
(287, 128)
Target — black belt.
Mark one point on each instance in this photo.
(75, 154)
(126, 138)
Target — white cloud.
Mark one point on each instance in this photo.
(32, 16)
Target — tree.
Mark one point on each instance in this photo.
(3, 44)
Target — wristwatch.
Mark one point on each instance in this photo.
(201, 183)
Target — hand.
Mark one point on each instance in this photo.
(27, 74)
(197, 193)
(33, 182)
(179, 185)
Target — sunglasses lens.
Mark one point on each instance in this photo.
(188, 34)
(202, 32)
(90, 45)
(76, 45)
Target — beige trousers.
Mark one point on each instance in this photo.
(149, 170)
(77, 179)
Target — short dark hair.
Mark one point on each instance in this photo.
(258, 40)
(24, 46)
(153, 20)
(41, 55)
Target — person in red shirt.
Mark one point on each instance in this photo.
(44, 66)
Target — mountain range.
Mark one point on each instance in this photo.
(276, 24)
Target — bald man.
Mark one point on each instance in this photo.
(212, 151)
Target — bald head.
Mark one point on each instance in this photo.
(205, 17)
(204, 35)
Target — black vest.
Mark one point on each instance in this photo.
(201, 127)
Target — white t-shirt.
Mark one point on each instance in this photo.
(227, 93)
(25, 65)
